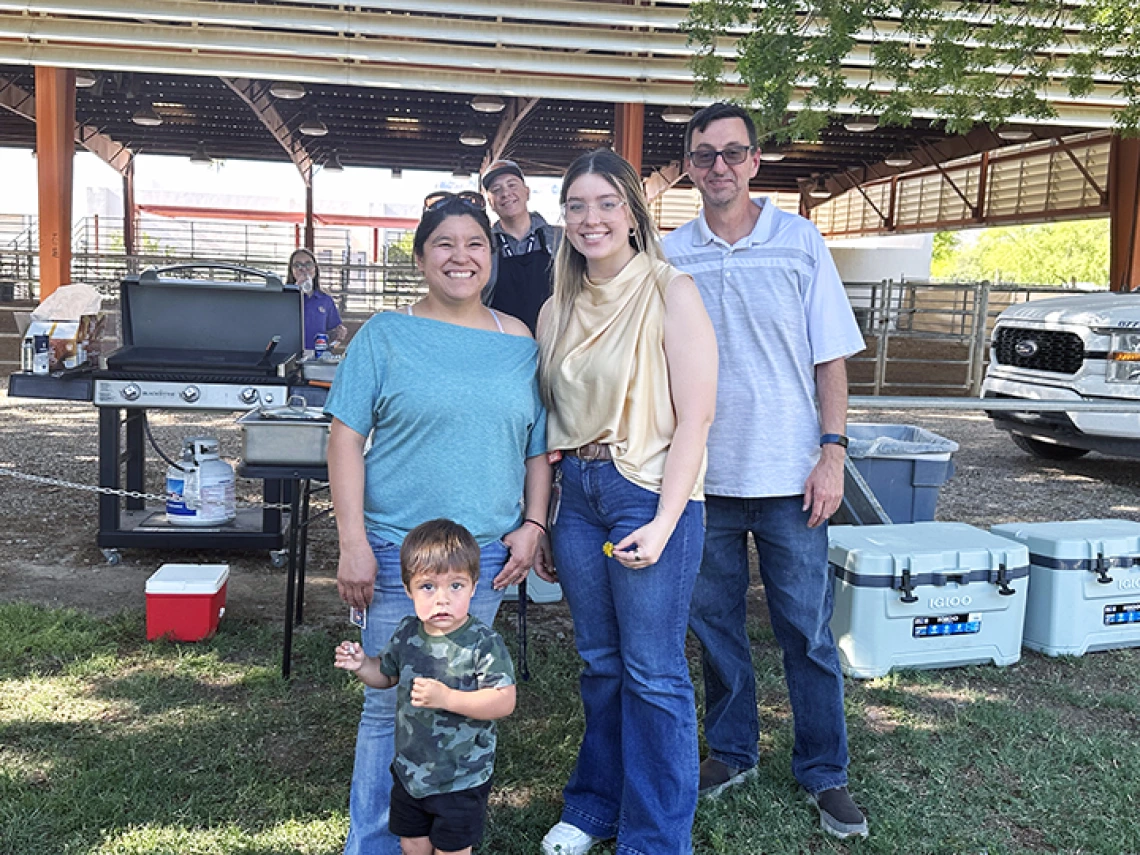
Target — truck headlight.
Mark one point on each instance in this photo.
(1124, 358)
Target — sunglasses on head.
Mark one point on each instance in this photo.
(471, 198)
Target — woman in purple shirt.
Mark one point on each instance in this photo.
(321, 315)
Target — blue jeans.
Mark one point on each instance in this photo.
(637, 770)
(798, 585)
(376, 737)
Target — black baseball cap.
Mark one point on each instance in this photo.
(500, 168)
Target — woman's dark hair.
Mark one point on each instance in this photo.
(290, 279)
(432, 219)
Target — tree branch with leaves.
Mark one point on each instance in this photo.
(961, 64)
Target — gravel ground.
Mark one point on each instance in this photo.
(50, 554)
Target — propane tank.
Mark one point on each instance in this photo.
(206, 497)
(176, 511)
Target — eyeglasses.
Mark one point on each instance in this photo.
(734, 155)
(607, 207)
(434, 201)
(304, 265)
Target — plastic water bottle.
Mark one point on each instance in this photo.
(41, 358)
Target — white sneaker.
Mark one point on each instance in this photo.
(567, 839)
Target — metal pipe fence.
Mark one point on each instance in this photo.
(925, 336)
(922, 337)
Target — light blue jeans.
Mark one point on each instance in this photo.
(637, 770)
(798, 586)
(376, 737)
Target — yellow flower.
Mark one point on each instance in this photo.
(608, 549)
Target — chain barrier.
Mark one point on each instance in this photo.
(134, 494)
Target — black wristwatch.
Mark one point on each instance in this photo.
(833, 439)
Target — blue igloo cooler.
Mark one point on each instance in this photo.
(925, 595)
(1084, 584)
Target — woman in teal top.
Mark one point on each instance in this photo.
(447, 390)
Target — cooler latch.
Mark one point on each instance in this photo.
(1100, 567)
(1003, 581)
(907, 588)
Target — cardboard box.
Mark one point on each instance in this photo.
(185, 601)
(72, 343)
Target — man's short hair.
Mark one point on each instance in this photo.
(500, 168)
(720, 110)
(437, 548)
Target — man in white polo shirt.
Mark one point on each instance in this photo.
(776, 453)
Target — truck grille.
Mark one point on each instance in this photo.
(1040, 350)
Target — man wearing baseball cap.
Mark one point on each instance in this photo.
(522, 267)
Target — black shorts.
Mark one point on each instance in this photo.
(451, 821)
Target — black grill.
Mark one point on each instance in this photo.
(1041, 350)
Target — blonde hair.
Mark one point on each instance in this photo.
(570, 265)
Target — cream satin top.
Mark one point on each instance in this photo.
(612, 382)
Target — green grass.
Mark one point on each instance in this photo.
(115, 746)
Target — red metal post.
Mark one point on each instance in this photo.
(55, 151)
(1124, 213)
(629, 132)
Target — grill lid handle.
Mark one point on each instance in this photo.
(270, 281)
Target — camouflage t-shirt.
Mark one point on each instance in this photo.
(439, 751)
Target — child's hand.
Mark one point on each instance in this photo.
(429, 693)
(349, 656)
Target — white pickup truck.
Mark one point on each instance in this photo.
(1082, 348)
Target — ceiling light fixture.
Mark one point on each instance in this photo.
(85, 79)
(488, 104)
(594, 132)
(286, 90)
(898, 158)
(818, 189)
(402, 120)
(771, 154)
(473, 137)
(1014, 133)
(676, 115)
(200, 156)
(147, 117)
(333, 164)
(861, 124)
(313, 127)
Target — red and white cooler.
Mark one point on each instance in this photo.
(184, 602)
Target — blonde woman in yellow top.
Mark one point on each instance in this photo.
(628, 366)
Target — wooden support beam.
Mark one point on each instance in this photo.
(23, 103)
(256, 96)
(509, 123)
(55, 153)
(310, 237)
(129, 213)
(629, 132)
(1124, 213)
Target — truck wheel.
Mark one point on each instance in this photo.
(1047, 450)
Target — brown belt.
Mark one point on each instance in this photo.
(590, 451)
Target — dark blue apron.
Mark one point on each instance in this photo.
(524, 283)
